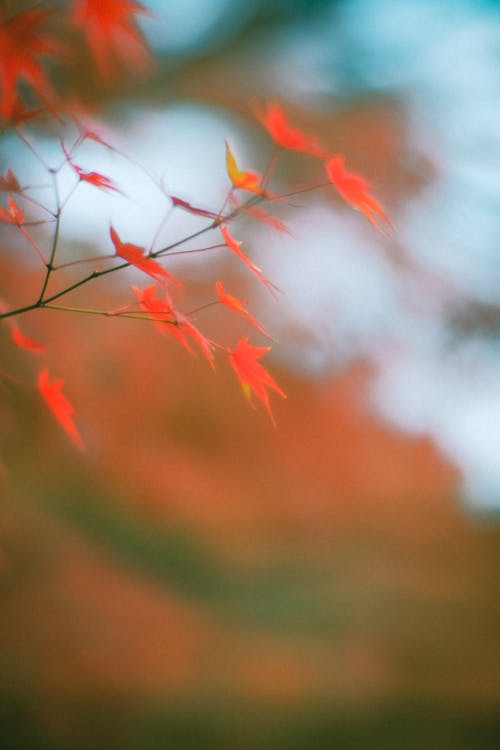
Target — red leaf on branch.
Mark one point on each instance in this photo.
(21, 43)
(169, 320)
(234, 245)
(253, 377)
(96, 179)
(93, 178)
(59, 405)
(285, 135)
(134, 255)
(161, 311)
(242, 180)
(238, 306)
(355, 190)
(9, 183)
(13, 214)
(111, 33)
(203, 342)
(179, 203)
(260, 214)
(25, 342)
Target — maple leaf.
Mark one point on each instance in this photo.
(260, 214)
(254, 378)
(243, 180)
(161, 311)
(238, 306)
(93, 178)
(234, 245)
(355, 190)
(169, 320)
(10, 182)
(111, 33)
(286, 136)
(59, 405)
(21, 44)
(180, 203)
(203, 342)
(24, 342)
(13, 214)
(134, 255)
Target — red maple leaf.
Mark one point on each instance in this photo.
(111, 33)
(203, 342)
(59, 405)
(21, 44)
(234, 245)
(180, 203)
(25, 342)
(13, 214)
(134, 255)
(253, 377)
(159, 310)
(260, 214)
(238, 306)
(355, 190)
(10, 182)
(93, 178)
(285, 135)
(169, 320)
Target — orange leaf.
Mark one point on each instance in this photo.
(13, 214)
(286, 136)
(238, 306)
(355, 190)
(254, 378)
(134, 255)
(243, 180)
(59, 405)
(24, 342)
(111, 33)
(234, 245)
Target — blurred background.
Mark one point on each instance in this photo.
(199, 579)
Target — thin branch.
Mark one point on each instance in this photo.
(107, 314)
(55, 239)
(33, 150)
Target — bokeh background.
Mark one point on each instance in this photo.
(199, 579)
